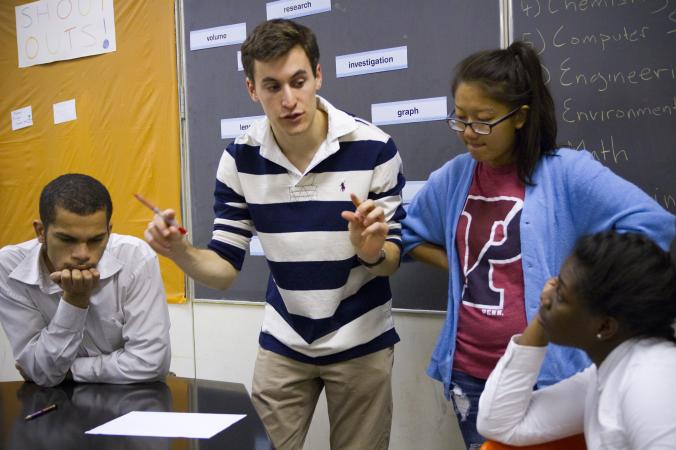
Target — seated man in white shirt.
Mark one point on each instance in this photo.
(80, 302)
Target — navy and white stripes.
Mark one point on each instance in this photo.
(322, 305)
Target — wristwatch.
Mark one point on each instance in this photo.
(381, 258)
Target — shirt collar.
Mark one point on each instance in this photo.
(32, 269)
(340, 124)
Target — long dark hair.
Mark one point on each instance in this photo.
(629, 277)
(514, 76)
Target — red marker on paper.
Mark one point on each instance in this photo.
(157, 211)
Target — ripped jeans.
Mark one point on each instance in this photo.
(465, 393)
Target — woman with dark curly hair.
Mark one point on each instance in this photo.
(615, 299)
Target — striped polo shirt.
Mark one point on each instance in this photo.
(322, 305)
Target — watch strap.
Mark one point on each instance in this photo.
(381, 258)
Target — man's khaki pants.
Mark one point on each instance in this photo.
(358, 395)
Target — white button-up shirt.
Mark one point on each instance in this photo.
(628, 403)
(122, 337)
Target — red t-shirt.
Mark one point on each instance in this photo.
(489, 248)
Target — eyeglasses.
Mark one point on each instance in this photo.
(483, 128)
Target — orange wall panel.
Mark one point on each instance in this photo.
(127, 128)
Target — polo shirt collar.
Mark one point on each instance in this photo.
(339, 124)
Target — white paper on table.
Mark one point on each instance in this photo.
(64, 111)
(168, 424)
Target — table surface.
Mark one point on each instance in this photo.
(83, 406)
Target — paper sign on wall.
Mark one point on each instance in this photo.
(22, 118)
(373, 61)
(406, 111)
(64, 111)
(288, 9)
(231, 128)
(410, 190)
(55, 30)
(240, 67)
(218, 36)
(255, 247)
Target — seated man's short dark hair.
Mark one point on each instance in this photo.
(74, 192)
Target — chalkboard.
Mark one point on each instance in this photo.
(611, 67)
(437, 33)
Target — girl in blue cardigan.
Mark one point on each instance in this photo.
(502, 217)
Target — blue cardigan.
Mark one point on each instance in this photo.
(573, 195)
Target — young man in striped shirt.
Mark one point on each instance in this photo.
(322, 190)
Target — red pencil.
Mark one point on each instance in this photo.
(157, 211)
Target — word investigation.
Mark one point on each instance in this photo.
(371, 62)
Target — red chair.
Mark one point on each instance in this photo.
(570, 443)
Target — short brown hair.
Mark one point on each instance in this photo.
(275, 38)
